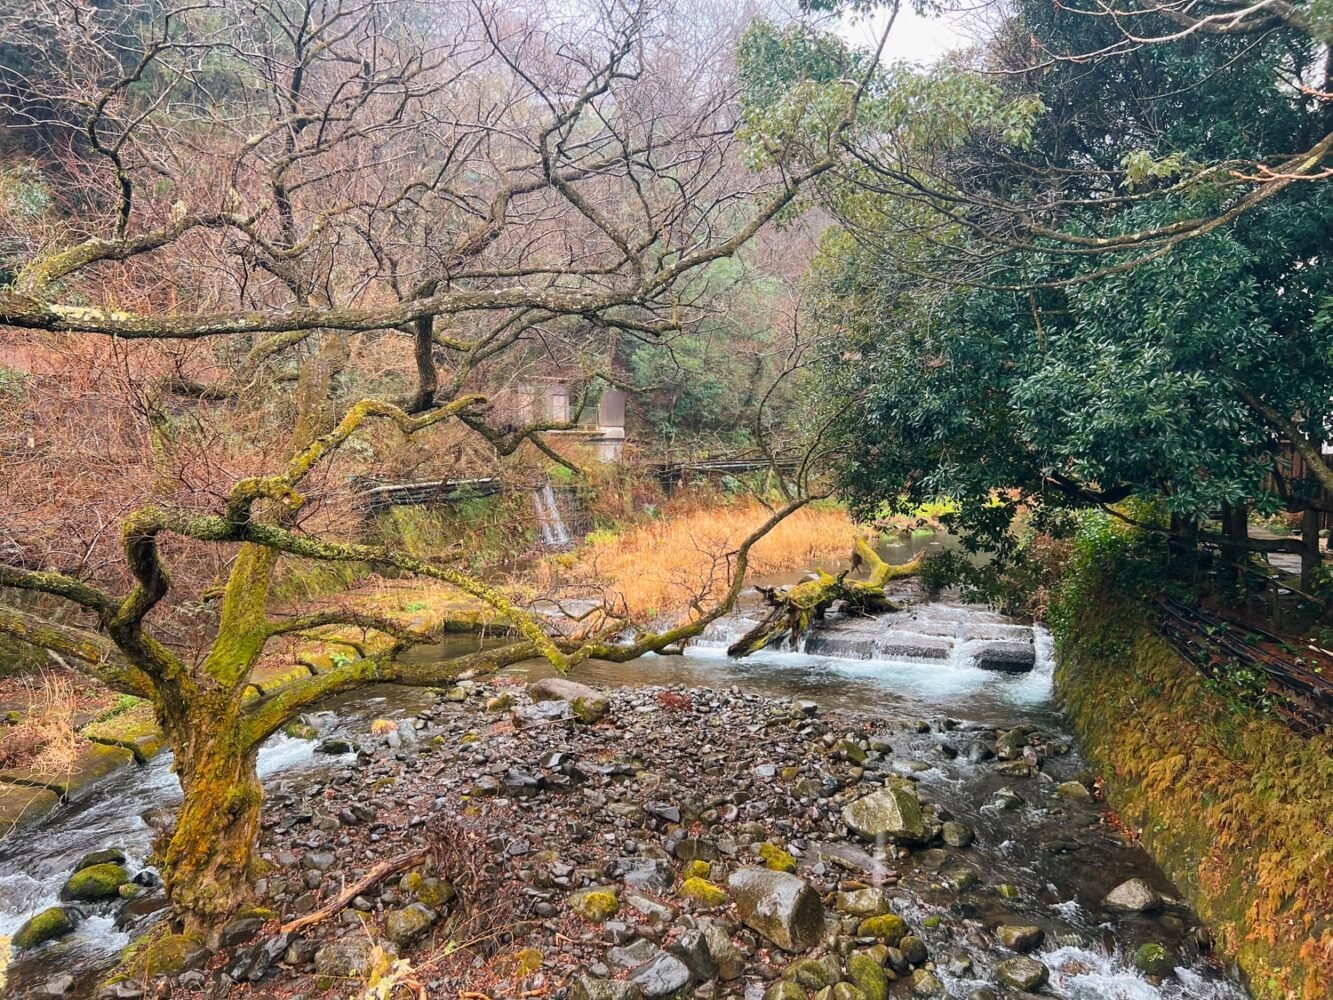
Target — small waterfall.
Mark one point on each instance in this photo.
(550, 521)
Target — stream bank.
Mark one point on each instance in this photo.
(1236, 806)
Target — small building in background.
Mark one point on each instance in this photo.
(600, 426)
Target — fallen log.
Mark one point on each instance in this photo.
(792, 610)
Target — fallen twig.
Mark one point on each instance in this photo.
(339, 902)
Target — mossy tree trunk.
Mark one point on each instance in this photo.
(207, 862)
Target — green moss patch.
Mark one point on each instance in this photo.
(46, 926)
(1231, 803)
(96, 882)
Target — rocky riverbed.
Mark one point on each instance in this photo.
(673, 842)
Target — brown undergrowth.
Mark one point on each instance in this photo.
(666, 566)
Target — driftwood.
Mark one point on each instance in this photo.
(792, 610)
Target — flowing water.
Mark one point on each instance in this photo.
(35, 862)
(550, 521)
(1057, 890)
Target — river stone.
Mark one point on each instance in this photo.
(632, 955)
(51, 923)
(862, 902)
(781, 907)
(652, 874)
(696, 849)
(665, 976)
(57, 986)
(1017, 938)
(868, 975)
(406, 925)
(1133, 896)
(239, 931)
(913, 949)
(1022, 973)
(926, 984)
(335, 746)
(692, 949)
(111, 856)
(586, 988)
(892, 812)
(169, 955)
(351, 957)
(786, 990)
(595, 905)
(1073, 790)
(956, 834)
(588, 704)
(846, 991)
(96, 882)
(1152, 960)
(811, 973)
(725, 954)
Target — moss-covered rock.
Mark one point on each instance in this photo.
(698, 868)
(887, 927)
(776, 858)
(46, 926)
(110, 856)
(703, 892)
(810, 973)
(868, 975)
(595, 905)
(299, 729)
(96, 882)
(168, 955)
(1152, 960)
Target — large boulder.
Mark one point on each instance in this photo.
(588, 704)
(781, 907)
(48, 925)
(96, 882)
(892, 813)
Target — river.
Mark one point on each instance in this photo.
(1057, 889)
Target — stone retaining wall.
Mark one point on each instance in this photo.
(1235, 807)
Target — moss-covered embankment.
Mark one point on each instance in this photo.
(1235, 807)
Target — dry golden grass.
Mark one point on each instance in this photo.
(664, 568)
(44, 739)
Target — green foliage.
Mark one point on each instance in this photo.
(1047, 385)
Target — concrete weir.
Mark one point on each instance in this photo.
(934, 633)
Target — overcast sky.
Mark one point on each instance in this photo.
(914, 38)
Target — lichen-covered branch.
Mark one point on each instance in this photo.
(91, 653)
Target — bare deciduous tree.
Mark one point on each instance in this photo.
(316, 217)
